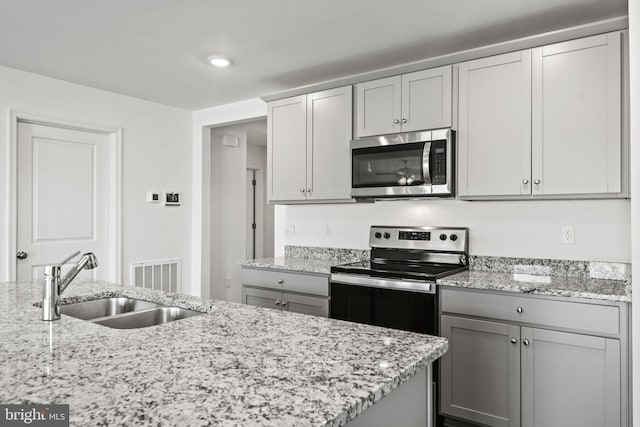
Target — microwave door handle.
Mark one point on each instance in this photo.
(426, 158)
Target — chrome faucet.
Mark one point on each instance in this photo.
(54, 285)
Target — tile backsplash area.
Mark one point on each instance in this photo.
(551, 267)
(329, 254)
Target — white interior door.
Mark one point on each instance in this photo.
(62, 197)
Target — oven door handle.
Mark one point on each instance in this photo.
(426, 159)
(376, 282)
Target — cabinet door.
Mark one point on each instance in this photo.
(378, 106)
(261, 297)
(480, 374)
(494, 136)
(569, 379)
(329, 124)
(426, 99)
(315, 306)
(287, 149)
(576, 116)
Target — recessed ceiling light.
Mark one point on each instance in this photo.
(219, 61)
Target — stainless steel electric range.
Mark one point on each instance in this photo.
(396, 288)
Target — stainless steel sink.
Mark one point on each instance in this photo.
(126, 313)
(143, 319)
(105, 307)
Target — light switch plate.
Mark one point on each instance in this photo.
(153, 197)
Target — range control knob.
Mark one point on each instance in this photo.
(453, 237)
(378, 235)
(443, 237)
(387, 235)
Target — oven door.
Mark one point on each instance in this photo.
(389, 307)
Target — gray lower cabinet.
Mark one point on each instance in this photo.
(481, 371)
(569, 379)
(507, 371)
(295, 292)
(305, 304)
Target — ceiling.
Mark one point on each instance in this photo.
(157, 49)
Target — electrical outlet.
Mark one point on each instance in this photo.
(227, 282)
(290, 229)
(567, 234)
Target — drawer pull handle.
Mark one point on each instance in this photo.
(514, 340)
(280, 281)
(525, 342)
(519, 309)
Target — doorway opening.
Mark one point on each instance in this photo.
(241, 220)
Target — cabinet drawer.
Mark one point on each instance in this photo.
(590, 318)
(284, 281)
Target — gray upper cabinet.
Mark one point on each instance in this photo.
(544, 122)
(329, 130)
(287, 148)
(494, 119)
(308, 147)
(407, 103)
(378, 106)
(576, 121)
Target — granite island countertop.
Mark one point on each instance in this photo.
(235, 365)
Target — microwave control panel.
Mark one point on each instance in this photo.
(438, 162)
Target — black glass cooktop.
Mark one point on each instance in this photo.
(399, 269)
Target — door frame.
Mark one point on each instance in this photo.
(203, 122)
(114, 211)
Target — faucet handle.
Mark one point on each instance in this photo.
(69, 258)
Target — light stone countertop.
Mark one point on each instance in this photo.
(301, 265)
(577, 287)
(235, 365)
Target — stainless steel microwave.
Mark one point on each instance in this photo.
(407, 165)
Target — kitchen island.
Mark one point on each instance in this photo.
(234, 365)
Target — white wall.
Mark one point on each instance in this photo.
(228, 224)
(514, 228)
(155, 156)
(634, 53)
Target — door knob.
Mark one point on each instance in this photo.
(21, 255)
(514, 340)
(404, 120)
(536, 181)
(396, 121)
(525, 181)
(525, 342)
